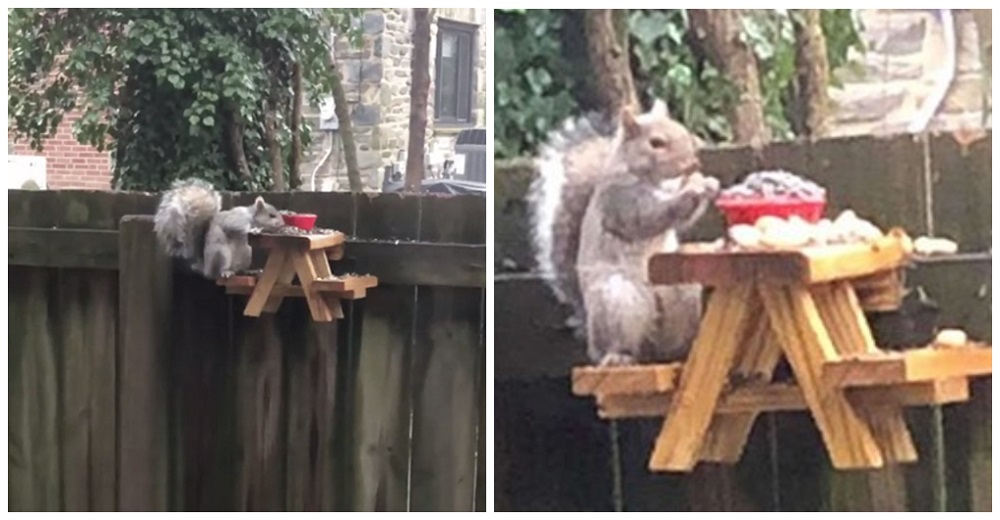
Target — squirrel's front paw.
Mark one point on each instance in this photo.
(615, 359)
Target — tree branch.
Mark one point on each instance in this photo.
(419, 91)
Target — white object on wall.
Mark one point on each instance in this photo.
(26, 172)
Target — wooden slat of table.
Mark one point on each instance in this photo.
(722, 330)
(845, 321)
(782, 397)
(728, 433)
(694, 264)
(306, 242)
(322, 265)
(807, 346)
(262, 287)
(912, 365)
(307, 275)
(630, 380)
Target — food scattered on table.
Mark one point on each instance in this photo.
(776, 233)
(951, 338)
(294, 231)
(934, 246)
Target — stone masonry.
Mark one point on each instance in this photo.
(376, 79)
(884, 88)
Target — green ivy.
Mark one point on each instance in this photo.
(157, 87)
(536, 89)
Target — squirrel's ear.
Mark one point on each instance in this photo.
(660, 109)
(629, 125)
(259, 203)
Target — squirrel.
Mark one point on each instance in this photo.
(191, 225)
(601, 205)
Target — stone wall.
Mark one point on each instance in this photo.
(885, 88)
(376, 79)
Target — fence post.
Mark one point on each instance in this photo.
(145, 286)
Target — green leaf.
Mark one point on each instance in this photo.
(194, 120)
(647, 28)
(146, 39)
(209, 121)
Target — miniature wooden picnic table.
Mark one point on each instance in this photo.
(307, 257)
(803, 305)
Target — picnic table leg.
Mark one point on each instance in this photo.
(844, 319)
(722, 330)
(262, 290)
(285, 278)
(306, 270)
(320, 260)
(755, 361)
(807, 345)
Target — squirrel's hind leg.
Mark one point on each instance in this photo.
(620, 314)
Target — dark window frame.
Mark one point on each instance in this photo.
(462, 118)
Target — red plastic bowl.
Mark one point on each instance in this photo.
(304, 221)
(747, 211)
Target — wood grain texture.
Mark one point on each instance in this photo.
(807, 345)
(913, 365)
(808, 265)
(144, 296)
(722, 330)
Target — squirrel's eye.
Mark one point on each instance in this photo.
(656, 142)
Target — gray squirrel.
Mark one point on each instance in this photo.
(602, 204)
(191, 225)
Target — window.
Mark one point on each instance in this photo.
(454, 76)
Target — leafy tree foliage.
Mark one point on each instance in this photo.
(538, 83)
(172, 93)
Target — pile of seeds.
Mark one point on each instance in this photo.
(768, 184)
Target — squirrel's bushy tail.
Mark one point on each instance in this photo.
(183, 217)
(568, 165)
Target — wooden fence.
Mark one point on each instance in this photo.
(138, 387)
(552, 453)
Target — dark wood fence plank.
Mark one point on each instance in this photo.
(33, 459)
(203, 395)
(260, 422)
(310, 368)
(379, 383)
(482, 433)
(145, 290)
(963, 196)
(101, 332)
(445, 381)
(75, 386)
(445, 399)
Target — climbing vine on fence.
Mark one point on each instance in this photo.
(536, 83)
(170, 92)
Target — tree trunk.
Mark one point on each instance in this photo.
(273, 146)
(812, 72)
(234, 141)
(346, 132)
(607, 47)
(419, 90)
(296, 159)
(718, 30)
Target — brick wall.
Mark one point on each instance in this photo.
(69, 164)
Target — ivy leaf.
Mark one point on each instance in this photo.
(194, 120)
(648, 27)
(209, 121)
(146, 39)
(176, 81)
